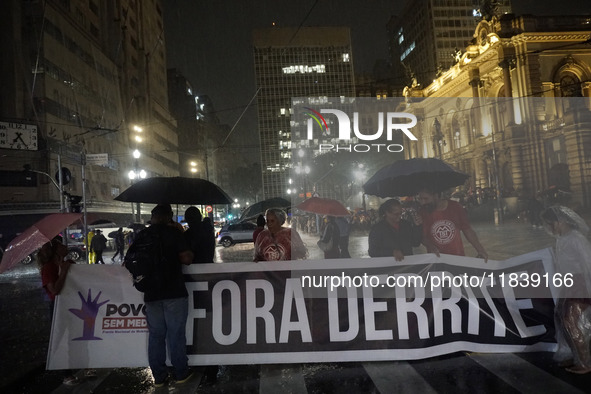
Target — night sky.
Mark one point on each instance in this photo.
(210, 42)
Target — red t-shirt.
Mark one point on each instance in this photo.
(49, 274)
(444, 228)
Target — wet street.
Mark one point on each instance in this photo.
(25, 327)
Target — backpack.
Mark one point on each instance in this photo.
(146, 262)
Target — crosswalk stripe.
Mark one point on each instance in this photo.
(522, 375)
(393, 377)
(277, 378)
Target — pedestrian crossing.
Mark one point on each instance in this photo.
(458, 373)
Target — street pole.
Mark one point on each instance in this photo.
(137, 206)
(497, 186)
(85, 223)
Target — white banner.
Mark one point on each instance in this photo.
(316, 311)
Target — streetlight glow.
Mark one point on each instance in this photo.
(136, 154)
(138, 138)
(137, 128)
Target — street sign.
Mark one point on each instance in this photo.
(209, 209)
(98, 159)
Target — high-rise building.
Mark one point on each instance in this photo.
(85, 81)
(427, 35)
(295, 62)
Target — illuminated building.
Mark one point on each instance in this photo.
(514, 111)
(289, 63)
(424, 37)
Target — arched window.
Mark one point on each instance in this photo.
(570, 85)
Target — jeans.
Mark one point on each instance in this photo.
(166, 324)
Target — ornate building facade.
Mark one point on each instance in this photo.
(514, 111)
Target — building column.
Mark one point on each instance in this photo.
(506, 65)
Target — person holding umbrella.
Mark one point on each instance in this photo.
(393, 236)
(54, 269)
(571, 315)
(330, 239)
(443, 220)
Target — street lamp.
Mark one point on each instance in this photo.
(136, 173)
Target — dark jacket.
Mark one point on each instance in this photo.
(201, 240)
(173, 243)
(331, 232)
(384, 239)
(98, 243)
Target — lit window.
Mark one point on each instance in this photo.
(346, 58)
(400, 39)
(282, 111)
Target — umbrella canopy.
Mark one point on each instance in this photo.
(324, 206)
(175, 190)
(34, 237)
(408, 177)
(262, 206)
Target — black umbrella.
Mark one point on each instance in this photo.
(175, 190)
(408, 177)
(261, 206)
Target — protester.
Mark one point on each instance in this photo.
(260, 227)
(167, 306)
(119, 245)
(87, 242)
(393, 236)
(534, 209)
(442, 222)
(98, 246)
(572, 313)
(276, 242)
(54, 270)
(330, 239)
(200, 236)
(344, 231)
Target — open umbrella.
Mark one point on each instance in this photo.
(175, 190)
(408, 177)
(262, 206)
(34, 237)
(323, 206)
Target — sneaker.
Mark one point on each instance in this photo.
(161, 383)
(71, 380)
(90, 373)
(186, 379)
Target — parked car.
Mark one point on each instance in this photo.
(235, 233)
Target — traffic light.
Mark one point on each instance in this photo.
(74, 202)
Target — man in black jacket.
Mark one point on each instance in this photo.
(167, 306)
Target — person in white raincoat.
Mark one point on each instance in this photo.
(573, 307)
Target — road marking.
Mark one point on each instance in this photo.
(397, 377)
(282, 378)
(522, 375)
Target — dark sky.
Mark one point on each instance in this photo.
(210, 41)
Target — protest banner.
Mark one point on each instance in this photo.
(317, 311)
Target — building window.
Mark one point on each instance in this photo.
(570, 86)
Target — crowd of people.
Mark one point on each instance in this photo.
(436, 222)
